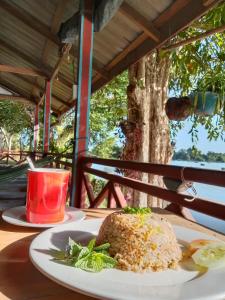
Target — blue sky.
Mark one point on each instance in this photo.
(183, 140)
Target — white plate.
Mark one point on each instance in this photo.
(123, 285)
(17, 216)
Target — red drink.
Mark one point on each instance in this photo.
(46, 195)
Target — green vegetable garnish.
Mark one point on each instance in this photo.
(88, 258)
(137, 210)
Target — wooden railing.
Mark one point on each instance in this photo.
(113, 193)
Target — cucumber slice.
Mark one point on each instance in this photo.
(210, 256)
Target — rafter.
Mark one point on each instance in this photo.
(138, 41)
(20, 70)
(41, 88)
(55, 71)
(170, 22)
(16, 90)
(163, 17)
(207, 2)
(15, 98)
(170, 12)
(140, 21)
(56, 22)
(29, 20)
(33, 61)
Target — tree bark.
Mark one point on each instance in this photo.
(147, 126)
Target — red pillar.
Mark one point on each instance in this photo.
(36, 127)
(81, 134)
(47, 112)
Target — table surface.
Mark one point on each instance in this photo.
(20, 280)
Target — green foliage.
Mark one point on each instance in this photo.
(14, 117)
(97, 184)
(193, 154)
(108, 109)
(200, 66)
(15, 121)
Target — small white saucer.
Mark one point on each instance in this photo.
(17, 216)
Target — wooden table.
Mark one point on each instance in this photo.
(19, 279)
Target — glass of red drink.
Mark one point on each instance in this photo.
(46, 195)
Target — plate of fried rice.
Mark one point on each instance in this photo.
(148, 252)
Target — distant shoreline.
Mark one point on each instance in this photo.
(199, 161)
(196, 155)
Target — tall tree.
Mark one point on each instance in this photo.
(197, 66)
(147, 126)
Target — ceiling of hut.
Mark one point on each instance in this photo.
(29, 43)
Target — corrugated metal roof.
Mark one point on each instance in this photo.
(28, 39)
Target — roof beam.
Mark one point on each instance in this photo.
(42, 29)
(138, 41)
(170, 12)
(29, 20)
(64, 53)
(16, 90)
(41, 88)
(55, 25)
(140, 21)
(56, 22)
(55, 71)
(170, 22)
(20, 70)
(207, 2)
(15, 98)
(33, 61)
(158, 22)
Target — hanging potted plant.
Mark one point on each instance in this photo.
(200, 103)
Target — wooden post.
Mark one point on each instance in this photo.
(36, 127)
(47, 112)
(81, 134)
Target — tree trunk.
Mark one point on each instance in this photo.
(147, 127)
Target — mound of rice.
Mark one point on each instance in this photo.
(140, 242)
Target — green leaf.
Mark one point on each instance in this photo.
(91, 244)
(83, 253)
(74, 248)
(91, 263)
(108, 261)
(58, 255)
(102, 247)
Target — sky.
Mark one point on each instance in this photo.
(183, 140)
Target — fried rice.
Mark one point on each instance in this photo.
(140, 242)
